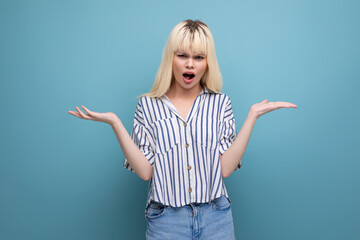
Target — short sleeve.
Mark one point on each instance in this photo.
(228, 131)
(141, 137)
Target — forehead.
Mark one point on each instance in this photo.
(190, 49)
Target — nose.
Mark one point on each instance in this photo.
(189, 63)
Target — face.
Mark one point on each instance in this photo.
(188, 68)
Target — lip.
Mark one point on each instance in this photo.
(188, 81)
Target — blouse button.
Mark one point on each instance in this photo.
(190, 189)
(189, 167)
(187, 145)
(185, 124)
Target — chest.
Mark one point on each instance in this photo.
(201, 128)
(183, 107)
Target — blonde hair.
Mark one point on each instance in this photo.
(186, 34)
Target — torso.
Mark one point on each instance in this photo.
(172, 146)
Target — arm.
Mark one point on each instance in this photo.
(135, 157)
(233, 155)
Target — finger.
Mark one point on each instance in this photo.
(81, 113)
(91, 115)
(286, 104)
(75, 114)
(274, 105)
(72, 113)
(292, 105)
(86, 110)
(264, 101)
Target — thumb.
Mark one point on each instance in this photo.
(264, 101)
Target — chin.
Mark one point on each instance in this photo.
(191, 85)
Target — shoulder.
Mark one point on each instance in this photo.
(144, 109)
(148, 105)
(220, 97)
(223, 95)
(211, 93)
(145, 100)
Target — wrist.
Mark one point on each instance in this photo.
(252, 116)
(115, 122)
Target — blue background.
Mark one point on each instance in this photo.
(62, 177)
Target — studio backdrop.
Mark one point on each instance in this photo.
(62, 177)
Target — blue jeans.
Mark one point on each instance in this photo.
(208, 221)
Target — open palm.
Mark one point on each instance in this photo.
(108, 117)
(265, 106)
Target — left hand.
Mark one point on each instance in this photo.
(265, 106)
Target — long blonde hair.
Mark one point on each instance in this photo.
(186, 34)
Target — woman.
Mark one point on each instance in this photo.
(184, 140)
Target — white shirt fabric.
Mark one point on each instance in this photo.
(185, 153)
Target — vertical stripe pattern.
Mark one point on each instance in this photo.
(185, 153)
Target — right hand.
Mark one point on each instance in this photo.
(108, 117)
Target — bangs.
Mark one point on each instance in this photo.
(195, 39)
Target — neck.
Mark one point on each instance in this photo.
(181, 93)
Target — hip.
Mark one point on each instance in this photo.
(212, 220)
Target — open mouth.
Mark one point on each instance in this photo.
(188, 76)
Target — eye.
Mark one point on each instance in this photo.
(181, 55)
(199, 57)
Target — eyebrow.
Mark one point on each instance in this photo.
(196, 54)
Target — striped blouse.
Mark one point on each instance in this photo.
(185, 153)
